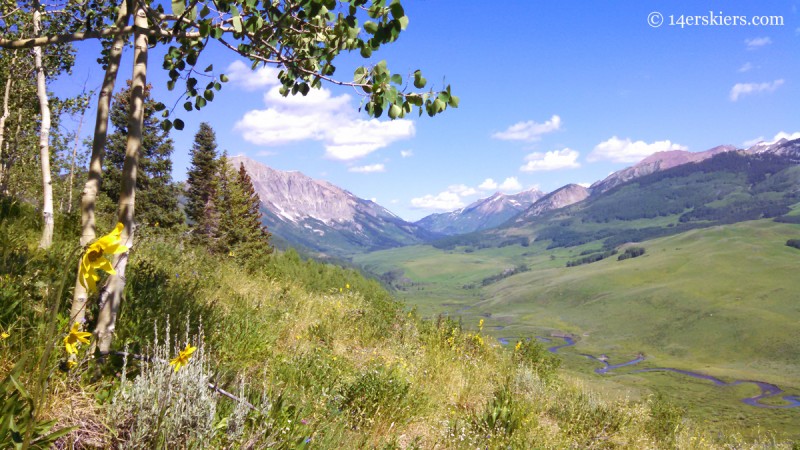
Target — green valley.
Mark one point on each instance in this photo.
(720, 300)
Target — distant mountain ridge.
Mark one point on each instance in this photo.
(482, 214)
(324, 218)
(560, 198)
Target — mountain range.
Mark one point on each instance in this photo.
(695, 188)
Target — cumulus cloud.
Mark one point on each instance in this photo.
(746, 67)
(488, 185)
(248, 79)
(778, 137)
(757, 42)
(510, 184)
(740, 89)
(627, 151)
(371, 168)
(320, 116)
(529, 131)
(406, 153)
(444, 201)
(554, 160)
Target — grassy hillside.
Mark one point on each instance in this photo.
(720, 300)
(309, 356)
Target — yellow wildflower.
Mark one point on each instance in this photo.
(74, 337)
(480, 325)
(518, 346)
(4, 335)
(347, 285)
(71, 364)
(94, 258)
(183, 357)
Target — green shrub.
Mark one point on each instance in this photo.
(377, 392)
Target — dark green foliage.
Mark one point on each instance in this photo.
(156, 194)
(533, 354)
(591, 258)
(788, 219)
(505, 274)
(377, 390)
(631, 252)
(793, 243)
(665, 420)
(202, 171)
(500, 414)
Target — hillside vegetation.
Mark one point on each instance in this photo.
(719, 300)
(312, 356)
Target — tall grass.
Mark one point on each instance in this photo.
(309, 355)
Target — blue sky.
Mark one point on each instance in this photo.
(551, 93)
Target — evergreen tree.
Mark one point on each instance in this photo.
(200, 178)
(240, 230)
(251, 220)
(156, 194)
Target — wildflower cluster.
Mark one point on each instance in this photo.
(94, 258)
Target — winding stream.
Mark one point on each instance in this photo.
(768, 390)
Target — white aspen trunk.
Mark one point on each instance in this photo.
(44, 136)
(3, 118)
(111, 297)
(89, 196)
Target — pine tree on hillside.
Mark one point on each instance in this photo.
(201, 175)
(252, 218)
(240, 230)
(156, 194)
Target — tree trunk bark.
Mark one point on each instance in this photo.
(92, 187)
(111, 298)
(44, 136)
(3, 118)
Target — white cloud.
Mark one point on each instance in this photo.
(488, 185)
(554, 160)
(372, 168)
(757, 42)
(627, 151)
(529, 131)
(584, 184)
(444, 201)
(250, 80)
(510, 184)
(752, 142)
(787, 136)
(462, 190)
(746, 67)
(740, 89)
(406, 153)
(320, 116)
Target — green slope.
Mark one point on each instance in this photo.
(722, 301)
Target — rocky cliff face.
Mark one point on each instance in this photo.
(783, 147)
(482, 214)
(561, 197)
(654, 163)
(325, 218)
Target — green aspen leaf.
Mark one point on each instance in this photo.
(193, 13)
(159, 106)
(199, 103)
(237, 24)
(208, 94)
(444, 96)
(371, 27)
(284, 91)
(403, 21)
(397, 79)
(216, 32)
(453, 101)
(217, 86)
(397, 10)
(395, 111)
(187, 106)
(205, 28)
(209, 68)
(304, 89)
(205, 11)
(170, 85)
(178, 7)
(166, 125)
(178, 124)
(377, 110)
(438, 105)
(223, 78)
(233, 10)
(366, 51)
